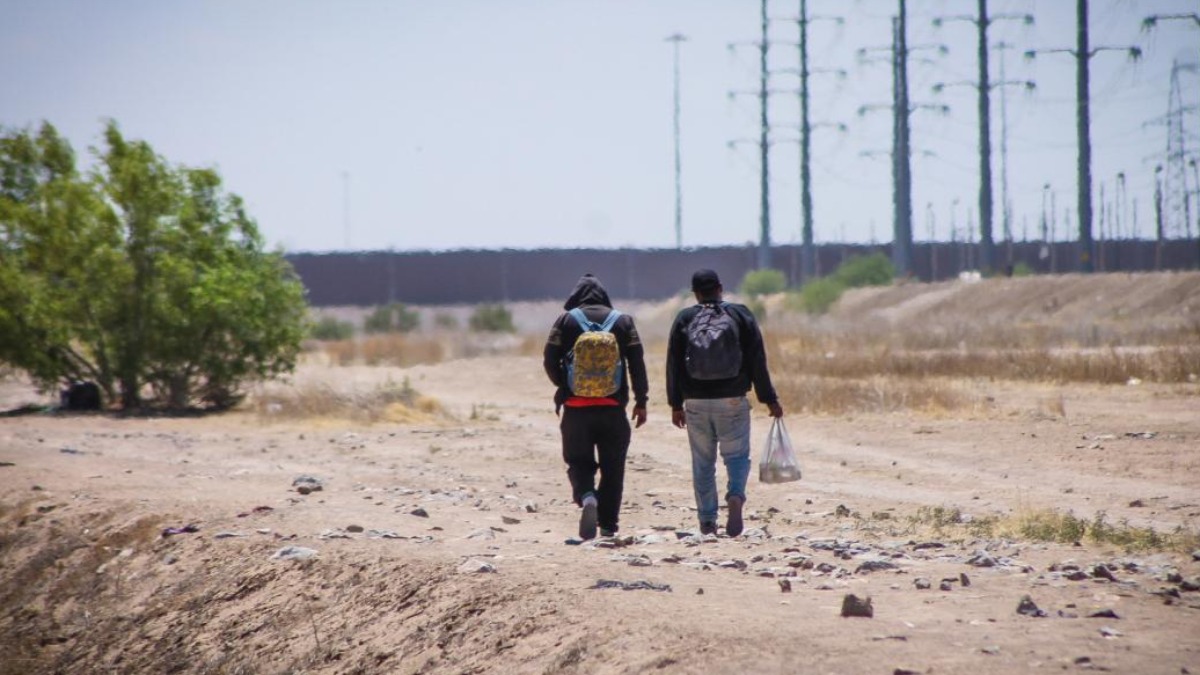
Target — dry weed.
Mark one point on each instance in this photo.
(390, 402)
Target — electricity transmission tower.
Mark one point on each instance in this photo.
(987, 259)
(808, 254)
(676, 39)
(1083, 55)
(1176, 196)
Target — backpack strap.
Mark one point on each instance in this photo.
(586, 325)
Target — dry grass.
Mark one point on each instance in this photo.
(834, 396)
(1048, 525)
(403, 350)
(389, 402)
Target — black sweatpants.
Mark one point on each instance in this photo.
(596, 437)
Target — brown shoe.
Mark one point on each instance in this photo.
(733, 526)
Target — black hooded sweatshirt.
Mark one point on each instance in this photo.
(590, 296)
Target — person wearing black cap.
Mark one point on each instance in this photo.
(715, 353)
(593, 384)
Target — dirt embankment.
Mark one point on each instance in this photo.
(439, 546)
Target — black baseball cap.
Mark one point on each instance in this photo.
(704, 281)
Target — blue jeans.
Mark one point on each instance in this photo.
(718, 424)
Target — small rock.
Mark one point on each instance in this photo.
(354, 528)
(419, 512)
(1102, 572)
(1109, 632)
(874, 566)
(852, 605)
(905, 671)
(945, 586)
(921, 583)
(982, 559)
(476, 566)
(1028, 607)
(1103, 614)
(293, 553)
(1195, 554)
(964, 579)
(482, 533)
(306, 484)
(842, 511)
(1136, 504)
(785, 585)
(991, 651)
(509, 520)
(531, 507)
(699, 591)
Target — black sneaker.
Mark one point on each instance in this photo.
(605, 532)
(587, 522)
(733, 526)
(709, 527)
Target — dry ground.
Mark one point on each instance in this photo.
(88, 583)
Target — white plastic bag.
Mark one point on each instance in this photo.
(778, 464)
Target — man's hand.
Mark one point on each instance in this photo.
(679, 418)
(775, 409)
(639, 416)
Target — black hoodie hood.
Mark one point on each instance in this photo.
(588, 291)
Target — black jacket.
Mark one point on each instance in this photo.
(680, 386)
(591, 297)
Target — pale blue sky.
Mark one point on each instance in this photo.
(527, 123)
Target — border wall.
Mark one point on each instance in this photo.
(371, 278)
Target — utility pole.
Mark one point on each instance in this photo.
(1083, 54)
(901, 108)
(1158, 217)
(675, 40)
(984, 86)
(764, 245)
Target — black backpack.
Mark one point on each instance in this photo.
(714, 348)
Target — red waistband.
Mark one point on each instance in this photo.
(587, 402)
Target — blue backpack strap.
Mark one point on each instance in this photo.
(610, 321)
(581, 319)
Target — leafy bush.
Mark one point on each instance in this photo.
(331, 328)
(393, 318)
(492, 319)
(1022, 270)
(141, 276)
(871, 270)
(818, 295)
(757, 307)
(763, 282)
(445, 321)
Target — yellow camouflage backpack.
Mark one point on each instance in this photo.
(594, 363)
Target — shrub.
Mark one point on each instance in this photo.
(445, 321)
(331, 328)
(871, 270)
(818, 295)
(492, 319)
(393, 318)
(763, 282)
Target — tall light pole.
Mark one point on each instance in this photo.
(675, 40)
(1083, 54)
(982, 21)
(764, 244)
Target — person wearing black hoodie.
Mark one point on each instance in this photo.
(595, 432)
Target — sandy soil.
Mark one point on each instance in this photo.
(88, 582)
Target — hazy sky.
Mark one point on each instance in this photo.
(423, 124)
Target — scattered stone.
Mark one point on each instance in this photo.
(1029, 608)
(354, 528)
(531, 507)
(384, 534)
(306, 484)
(897, 638)
(476, 566)
(170, 559)
(1143, 435)
(699, 591)
(1077, 575)
(482, 533)
(1190, 585)
(842, 511)
(945, 585)
(1103, 614)
(991, 651)
(982, 558)
(785, 585)
(293, 553)
(1196, 555)
(905, 671)
(964, 579)
(509, 520)
(71, 451)
(186, 529)
(928, 545)
(922, 583)
(640, 585)
(227, 535)
(852, 605)
(419, 512)
(335, 533)
(1136, 504)
(869, 566)
(1101, 571)
(7, 464)
(1110, 632)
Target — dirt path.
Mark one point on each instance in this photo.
(89, 585)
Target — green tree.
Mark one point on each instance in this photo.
(492, 318)
(145, 277)
(865, 270)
